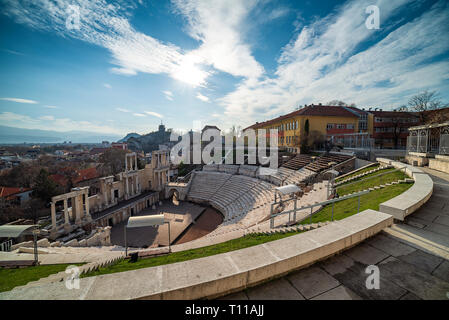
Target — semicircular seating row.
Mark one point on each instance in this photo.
(237, 196)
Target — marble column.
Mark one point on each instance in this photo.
(66, 213)
(78, 210)
(53, 216)
(88, 217)
(127, 187)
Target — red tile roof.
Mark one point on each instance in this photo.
(400, 114)
(59, 179)
(312, 110)
(80, 176)
(9, 191)
(86, 174)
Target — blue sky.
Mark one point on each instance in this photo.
(130, 65)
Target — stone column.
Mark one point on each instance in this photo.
(88, 217)
(132, 185)
(53, 217)
(127, 187)
(105, 196)
(112, 196)
(78, 210)
(137, 184)
(126, 163)
(66, 214)
(135, 161)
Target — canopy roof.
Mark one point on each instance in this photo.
(333, 172)
(288, 189)
(14, 231)
(146, 221)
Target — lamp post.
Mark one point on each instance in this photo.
(333, 173)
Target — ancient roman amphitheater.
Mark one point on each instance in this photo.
(323, 236)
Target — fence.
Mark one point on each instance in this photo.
(324, 203)
(6, 246)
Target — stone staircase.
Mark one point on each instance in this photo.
(295, 228)
(406, 180)
(362, 175)
(83, 269)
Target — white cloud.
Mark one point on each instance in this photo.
(19, 100)
(218, 26)
(168, 95)
(322, 63)
(107, 85)
(51, 107)
(107, 25)
(202, 98)
(122, 110)
(57, 124)
(47, 118)
(139, 115)
(155, 114)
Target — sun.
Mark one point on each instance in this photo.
(189, 72)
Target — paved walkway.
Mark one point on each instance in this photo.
(413, 260)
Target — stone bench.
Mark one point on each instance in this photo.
(412, 199)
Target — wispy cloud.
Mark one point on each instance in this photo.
(202, 98)
(107, 25)
(51, 107)
(57, 124)
(324, 62)
(139, 114)
(107, 85)
(47, 118)
(122, 110)
(155, 114)
(13, 52)
(19, 100)
(218, 26)
(168, 95)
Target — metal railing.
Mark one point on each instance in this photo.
(375, 176)
(324, 203)
(6, 246)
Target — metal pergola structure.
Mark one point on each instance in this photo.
(432, 138)
(15, 231)
(146, 221)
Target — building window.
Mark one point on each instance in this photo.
(350, 126)
(341, 126)
(330, 126)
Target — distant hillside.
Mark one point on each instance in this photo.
(10, 135)
(150, 141)
(128, 136)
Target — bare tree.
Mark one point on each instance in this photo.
(340, 103)
(425, 101)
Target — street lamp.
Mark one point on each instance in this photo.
(333, 174)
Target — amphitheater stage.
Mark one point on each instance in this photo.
(181, 217)
(204, 224)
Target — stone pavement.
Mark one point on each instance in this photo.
(413, 260)
(405, 273)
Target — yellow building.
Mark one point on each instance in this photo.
(321, 121)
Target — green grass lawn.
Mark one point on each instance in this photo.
(231, 245)
(370, 181)
(374, 166)
(11, 278)
(346, 208)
